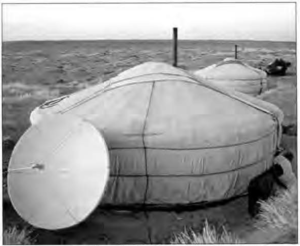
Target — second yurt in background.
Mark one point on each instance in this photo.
(235, 74)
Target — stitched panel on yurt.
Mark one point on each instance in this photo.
(76, 99)
(256, 103)
(180, 189)
(119, 114)
(193, 116)
(127, 162)
(263, 106)
(208, 161)
(125, 190)
(188, 189)
(129, 185)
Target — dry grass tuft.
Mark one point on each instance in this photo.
(209, 235)
(280, 212)
(14, 236)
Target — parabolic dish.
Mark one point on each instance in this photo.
(58, 172)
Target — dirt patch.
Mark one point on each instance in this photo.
(125, 227)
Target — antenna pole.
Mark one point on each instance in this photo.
(175, 38)
(235, 51)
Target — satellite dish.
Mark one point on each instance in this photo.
(58, 172)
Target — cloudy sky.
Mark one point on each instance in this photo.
(255, 21)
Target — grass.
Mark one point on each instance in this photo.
(14, 236)
(209, 235)
(280, 212)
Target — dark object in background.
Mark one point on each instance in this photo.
(262, 187)
(290, 130)
(8, 143)
(60, 81)
(285, 153)
(288, 155)
(277, 67)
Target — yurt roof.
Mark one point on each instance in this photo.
(231, 69)
(171, 94)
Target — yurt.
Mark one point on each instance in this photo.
(237, 75)
(174, 139)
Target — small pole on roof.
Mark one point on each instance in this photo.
(235, 51)
(175, 37)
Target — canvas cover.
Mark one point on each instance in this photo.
(173, 138)
(236, 75)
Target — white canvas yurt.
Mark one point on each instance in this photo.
(237, 75)
(172, 138)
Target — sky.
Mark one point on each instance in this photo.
(235, 21)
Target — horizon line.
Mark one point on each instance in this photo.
(91, 40)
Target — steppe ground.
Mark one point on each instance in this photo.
(33, 72)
